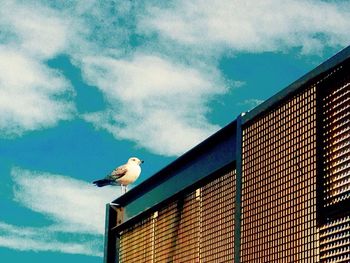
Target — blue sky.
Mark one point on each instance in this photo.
(86, 85)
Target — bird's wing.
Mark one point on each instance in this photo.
(118, 172)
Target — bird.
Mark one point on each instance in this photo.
(123, 175)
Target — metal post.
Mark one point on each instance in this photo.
(114, 217)
(110, 240)
(238, 207)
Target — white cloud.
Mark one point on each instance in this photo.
(251, 26)
(149, 95)
(67, 201)
(158, 103)
(41, 239)
(38, 31)
(159, 100)
(76, 209)
(32, 95)
(159, 92)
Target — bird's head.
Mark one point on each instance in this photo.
(135, 160)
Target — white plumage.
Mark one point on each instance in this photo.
(122, 175)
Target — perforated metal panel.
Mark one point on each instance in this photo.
(177, 231)
(335, 241)
(279, 184)
(335, 232)
(217, 227)
(137, 243)
(197, 227)
(336, 129)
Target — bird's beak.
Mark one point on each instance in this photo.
(142, 161)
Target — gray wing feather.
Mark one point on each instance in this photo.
(118, 172)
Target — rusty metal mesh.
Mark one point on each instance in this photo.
(197, 227)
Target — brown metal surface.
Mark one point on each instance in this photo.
(335, 241)
(177, 231)
(335, 232)
(336, 129)
(218, 205)
(197, 227)
(279, 184)
(136, 243)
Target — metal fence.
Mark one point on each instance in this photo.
(335, 232)
(279, 184)
(197, 227)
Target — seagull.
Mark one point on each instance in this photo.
(123, 175)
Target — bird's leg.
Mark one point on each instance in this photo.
(123, 188)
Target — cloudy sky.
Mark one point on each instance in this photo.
(85, 85)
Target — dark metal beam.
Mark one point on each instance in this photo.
(150, 210)
(211, 155)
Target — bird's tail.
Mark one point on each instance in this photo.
(102, 182)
